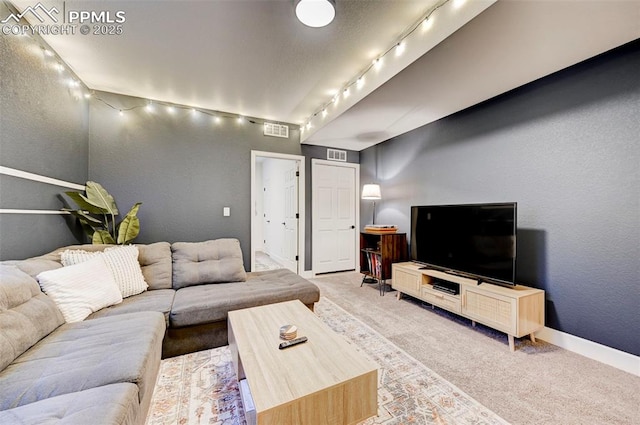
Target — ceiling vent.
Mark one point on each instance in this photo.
(336, 155)
(276, 130)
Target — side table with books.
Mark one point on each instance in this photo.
(380, 246)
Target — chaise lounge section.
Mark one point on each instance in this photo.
(106, 365)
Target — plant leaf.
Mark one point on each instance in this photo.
(102, 237)
(128, 230)
(86, 218)
(84, 204)
(130, 226)
(99, 197)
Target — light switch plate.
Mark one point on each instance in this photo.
(226, 211)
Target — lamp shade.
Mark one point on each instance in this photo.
(371, 191)
(315, 13)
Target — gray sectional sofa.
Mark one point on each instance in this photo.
(103, 369)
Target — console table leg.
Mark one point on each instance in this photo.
(399, 295)
(533, 337)
(512, 344)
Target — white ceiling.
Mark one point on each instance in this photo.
(252, 57)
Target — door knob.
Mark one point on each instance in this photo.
(283, 223)
(353, 227)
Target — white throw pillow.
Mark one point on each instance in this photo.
(121, 260)
(82, 289)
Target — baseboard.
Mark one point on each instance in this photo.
(308, 274)
(607, 355)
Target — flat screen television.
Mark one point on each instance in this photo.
(472, 240)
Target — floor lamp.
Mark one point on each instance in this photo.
(372, 192)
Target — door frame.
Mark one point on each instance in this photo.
(301, 202)
(356, 191)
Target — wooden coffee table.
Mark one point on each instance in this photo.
(322, 381)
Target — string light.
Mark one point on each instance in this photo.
(425, 22)
(59, 66)
(458, 3)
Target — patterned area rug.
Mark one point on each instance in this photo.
(201, 388)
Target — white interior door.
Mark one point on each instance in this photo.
(267, 229)
(290, 223)
(277, 207)
(334, 216)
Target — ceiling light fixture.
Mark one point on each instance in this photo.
(316, 13)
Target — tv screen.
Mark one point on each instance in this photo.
(474, 240)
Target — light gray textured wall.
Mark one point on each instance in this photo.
(567, 149)
(183, 167)
(43, 130)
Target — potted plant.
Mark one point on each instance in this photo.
(97, 212)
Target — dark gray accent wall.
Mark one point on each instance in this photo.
(43, 130)
(567, 149)
(316, 152)
(183, 166)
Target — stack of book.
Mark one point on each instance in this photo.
(374, 261)
(381, 228)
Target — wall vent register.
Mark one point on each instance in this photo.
(336, 155)
(276, 130)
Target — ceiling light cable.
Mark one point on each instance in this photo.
(425, 21)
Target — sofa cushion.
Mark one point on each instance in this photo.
(34, 266)
(26, 314)
(81, 289)
(115, 404)
(88, 354)
(159, 300)
(214, 261)
(121, 260)
(156, 262)
(210, 303)
(154, 259)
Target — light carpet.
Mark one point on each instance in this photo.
(201, 388)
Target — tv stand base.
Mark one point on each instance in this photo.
(517, 311)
